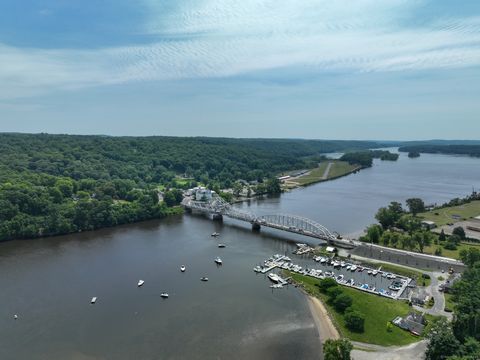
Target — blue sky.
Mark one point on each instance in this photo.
(364, 69)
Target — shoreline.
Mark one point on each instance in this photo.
(323, 323)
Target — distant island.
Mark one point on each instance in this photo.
(413, 154)
(471, 150)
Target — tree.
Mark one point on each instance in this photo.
(422, 239)
(342, 302)
(460, 232)
(442, 342)
(415, 205)
(386, 238)
(442, 236)
(470, 256)
(333, 293)
(354, 320)
(385, 217)
(273, 186)
(337, 349)
(326, 283)
(373, 233)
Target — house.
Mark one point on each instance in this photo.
(419, 297)
(429, 224)
(413, 322)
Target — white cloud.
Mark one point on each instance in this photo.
(220, 38)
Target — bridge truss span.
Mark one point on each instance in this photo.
(218, 207)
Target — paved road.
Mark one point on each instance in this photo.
(439, 306)
(327, 171)
(406, 258)
(412, 351)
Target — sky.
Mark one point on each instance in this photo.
(322, 69)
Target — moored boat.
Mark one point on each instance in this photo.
(218, 261)
(140, 282)
(94, 300)
(183, 268)
(164, 295)
(204, 278)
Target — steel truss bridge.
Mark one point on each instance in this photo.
(217, 207)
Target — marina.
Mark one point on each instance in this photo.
(348, 274)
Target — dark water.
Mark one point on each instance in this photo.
(235, 315)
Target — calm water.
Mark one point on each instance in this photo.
(235, 315)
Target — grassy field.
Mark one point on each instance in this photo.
(449, 304)
(338, 168)
(378, 312)
(454, 254)
(465, 211)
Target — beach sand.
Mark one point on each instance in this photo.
(325, 327)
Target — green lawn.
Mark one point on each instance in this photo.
(454, 254)
(449, 304)
(465, 211)
(378, 312)
(338, 168)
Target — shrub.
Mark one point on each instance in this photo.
(333, 293)
(450, 246)
(342, 302)
(354, 320)
(325, 284)
(459, 231)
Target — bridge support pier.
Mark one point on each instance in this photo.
(255, 227)
(217, 217)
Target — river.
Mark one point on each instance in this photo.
(235, 315)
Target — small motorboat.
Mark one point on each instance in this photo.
(204, 278)
(222, 245)
(94, 300)
(183, 268)
(140, 282)
(374, 272)
(215, 234)
(349, 267)
(257, 269)
(218, 261)
(343, 264)
(353, 268)
(369, 272)
(164, 295)
(15, 316)
(276, 286)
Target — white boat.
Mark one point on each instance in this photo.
(369, 272)
(257, 269)
(323, 260)
(222, 245)
(353, 268)
(274, 277)
(15, 316)
(349, 267)
(94, 300)
(204, 278)
(276, 286)
(339, 277)
(343, 264)
(374, 272)
(215, 234)
(164, 295)
(218, 261)
(183, 268)
(140, 282)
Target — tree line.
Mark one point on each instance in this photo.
(58, 184)
(471, 150)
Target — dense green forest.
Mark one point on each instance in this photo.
(365, 158)
(471, 150)
(57, 184)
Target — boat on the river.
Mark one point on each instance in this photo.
(204, 278)
(374, 272)
(274, 277)
(215, 234)
(164, 295)
(183, 268)
(140, 282)
(353, 268)
(218, 261)
(94, 300)
(276, 286)
(221, 245)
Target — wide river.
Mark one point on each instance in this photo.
(235, 315)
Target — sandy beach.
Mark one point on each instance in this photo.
(325, 327)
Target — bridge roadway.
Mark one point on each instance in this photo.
(218, 208)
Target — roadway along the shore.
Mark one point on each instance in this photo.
(407, 258)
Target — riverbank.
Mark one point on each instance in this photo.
(325, 327)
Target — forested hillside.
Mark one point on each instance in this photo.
(56, 184)
(471, 150)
